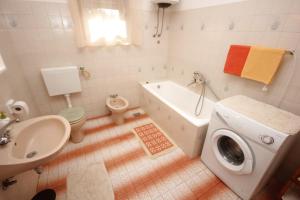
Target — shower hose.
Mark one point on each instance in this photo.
(200, 100)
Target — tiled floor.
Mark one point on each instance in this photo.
(133, 174)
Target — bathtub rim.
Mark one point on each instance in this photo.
(197, 122)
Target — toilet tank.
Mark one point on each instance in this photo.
(61, 80)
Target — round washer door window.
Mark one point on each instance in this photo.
(232, 151)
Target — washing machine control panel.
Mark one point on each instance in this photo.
(267, 139)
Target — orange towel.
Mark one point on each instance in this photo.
(262, 64)
(236, 59)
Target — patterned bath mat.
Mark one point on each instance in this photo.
(154, 141)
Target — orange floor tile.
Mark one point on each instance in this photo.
(133, 174)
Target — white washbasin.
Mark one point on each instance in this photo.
(33, 142)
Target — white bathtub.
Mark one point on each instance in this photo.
(172, 107)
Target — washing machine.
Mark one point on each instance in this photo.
(245, 142)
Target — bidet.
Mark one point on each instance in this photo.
(117, 105)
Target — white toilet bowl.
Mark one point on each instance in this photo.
(76, 117)
(117, 105)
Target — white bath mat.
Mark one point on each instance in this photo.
(91, 183)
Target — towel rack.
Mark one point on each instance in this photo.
(83, 71)
(290, 52)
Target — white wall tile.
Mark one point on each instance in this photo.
(292, 23)
(271, 23)
(261, 22)
(44, 38)
(13, 6)
(281, 6)
(41, 21)
(56, 21)
(13, 83)
(3, 23)
(53, 8)
(295, 7)
(289, 40)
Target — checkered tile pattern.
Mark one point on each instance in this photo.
(154, 140)
(134, 176)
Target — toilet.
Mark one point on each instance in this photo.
(76, 117)
(118, 106)
(65, 81)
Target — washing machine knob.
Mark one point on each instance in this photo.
(267, 139)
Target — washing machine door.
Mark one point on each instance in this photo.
(232, 151)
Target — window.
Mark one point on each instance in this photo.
(108, 26)
(105, 23)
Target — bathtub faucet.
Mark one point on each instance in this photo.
(198, 78)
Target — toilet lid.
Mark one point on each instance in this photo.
(73, 114)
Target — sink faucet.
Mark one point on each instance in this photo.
(4, 132)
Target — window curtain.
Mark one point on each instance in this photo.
(105, 23)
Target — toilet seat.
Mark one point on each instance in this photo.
(73, 115)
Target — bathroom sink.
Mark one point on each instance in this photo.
(33, 143)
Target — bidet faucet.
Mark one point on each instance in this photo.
(4, 132)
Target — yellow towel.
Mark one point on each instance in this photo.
(262, 64)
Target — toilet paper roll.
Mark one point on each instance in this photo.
(20, 108)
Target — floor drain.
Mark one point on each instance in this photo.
(31, 154)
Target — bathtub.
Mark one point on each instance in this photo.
(172, 107)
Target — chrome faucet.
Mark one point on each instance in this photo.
(4, 132)
(113, 95)
(197, 78)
